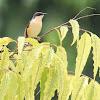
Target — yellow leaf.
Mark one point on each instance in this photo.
(59, 36)
(61, 53)
(96, 52)
(68, 87)
(92, 91)
(83, 53)
(97, 90)
(33, 42)
(30, 57)
(58, 63)
(45, 44)
(12, 88)
(4, 85)
(1, 48)
(40, 63)
(51, 84)
(75, 30)
(64, 31)
(11, 65)
(20, 66)
(6, 41)
(4, 62)
(21, 89)
(43, 81)
(79, 86)
(21, 41)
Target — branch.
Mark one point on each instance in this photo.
(53, 29)
(73, 19)
(63, 25)
(68, 26)
(82, 11)
(87, 16)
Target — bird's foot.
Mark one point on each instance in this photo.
(38, 38)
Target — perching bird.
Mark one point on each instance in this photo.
(34, 26)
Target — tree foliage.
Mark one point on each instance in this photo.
(22, 70)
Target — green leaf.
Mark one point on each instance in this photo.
(83, 53)
(64, 31)
(51, 84)
(6, 41)
(4, 63)
(96, 52)
(21, 41)
(75, 30)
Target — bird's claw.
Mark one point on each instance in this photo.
(38, 38)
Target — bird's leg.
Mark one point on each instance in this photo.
(38, 38)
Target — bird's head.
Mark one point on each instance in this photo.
(38, 15)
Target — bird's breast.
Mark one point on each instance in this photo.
(34, 28)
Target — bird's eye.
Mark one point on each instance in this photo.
(39, 14)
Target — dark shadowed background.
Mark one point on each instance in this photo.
(15, 15)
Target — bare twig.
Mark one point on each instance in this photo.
(82, 11)
(81, 29)
(53, 29)
(73, 19)
(59, 27)
(87, 16)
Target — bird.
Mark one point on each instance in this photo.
(34, 26)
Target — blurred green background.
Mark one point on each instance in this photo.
(15, 15)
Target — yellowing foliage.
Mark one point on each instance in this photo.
(96, 53)
(38, 63)
(62, 33)
(6, 41)
(4, 63)
(83, 53)
(75, 30)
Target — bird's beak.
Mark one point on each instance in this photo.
(44, 13)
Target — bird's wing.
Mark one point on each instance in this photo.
(25, 32)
